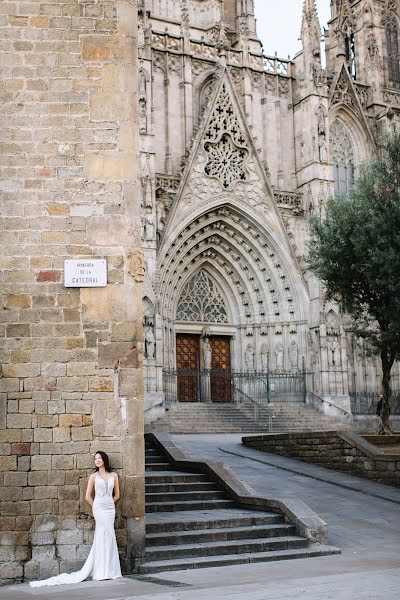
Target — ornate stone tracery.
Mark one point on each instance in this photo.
(225, 144)
(226, 161)
(201, 301)
(342, 155)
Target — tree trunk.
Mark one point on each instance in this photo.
(387, 364)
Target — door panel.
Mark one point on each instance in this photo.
(187, 358)
(221, 386)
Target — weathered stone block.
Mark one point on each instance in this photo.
(21, 448)
(68, 420)
(40, 463)
(77, 369)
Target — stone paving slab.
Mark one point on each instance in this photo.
(383, 584)
(351, 482)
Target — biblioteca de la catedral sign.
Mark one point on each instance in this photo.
(85, 273)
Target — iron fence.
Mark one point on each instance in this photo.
(365, 403)
(223, 386)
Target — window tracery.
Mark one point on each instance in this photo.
(201, 301)
(342, 155)
(392, 46)
(225, 144)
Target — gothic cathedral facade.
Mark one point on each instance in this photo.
(237, 149)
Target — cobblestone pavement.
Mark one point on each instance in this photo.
(364, 526)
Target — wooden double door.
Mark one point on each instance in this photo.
(193, 379)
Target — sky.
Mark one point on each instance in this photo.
(279, 24)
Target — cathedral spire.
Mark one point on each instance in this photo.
(310, 27)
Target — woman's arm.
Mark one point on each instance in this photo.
(117, 495)
(89, 490)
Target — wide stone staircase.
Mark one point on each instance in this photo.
(244, 418)
(192, 523)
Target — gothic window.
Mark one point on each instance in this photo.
(351, 54)
(342, 156)
(225, 144)
(392, 45)
(201, 301)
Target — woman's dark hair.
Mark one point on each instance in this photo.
(106, 461)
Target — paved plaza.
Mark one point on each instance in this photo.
(363, 520)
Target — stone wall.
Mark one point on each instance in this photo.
(71, 378)
(342, 451)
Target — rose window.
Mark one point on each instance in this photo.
(225, 161)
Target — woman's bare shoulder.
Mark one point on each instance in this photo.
(92, 476)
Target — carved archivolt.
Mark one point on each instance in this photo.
(254, 279)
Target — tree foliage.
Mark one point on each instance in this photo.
(355, 252)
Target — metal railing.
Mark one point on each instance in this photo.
(256, 406)
(365, 403)
(319, 403)
(218, 385)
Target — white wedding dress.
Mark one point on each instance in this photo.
(103, 559)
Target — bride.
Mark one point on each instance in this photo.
(103, 559)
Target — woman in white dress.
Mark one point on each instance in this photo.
(103, 560)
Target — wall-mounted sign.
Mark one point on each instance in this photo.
(85, 273)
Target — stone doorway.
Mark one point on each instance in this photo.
(201, 377)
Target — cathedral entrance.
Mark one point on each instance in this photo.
(203, 368)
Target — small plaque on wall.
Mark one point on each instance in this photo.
(85, 273)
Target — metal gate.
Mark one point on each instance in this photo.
(222, 385)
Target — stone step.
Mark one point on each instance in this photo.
(226, 547)
(193, 486)
(188, 505)
(181, 496)
(215, 518)
(153, 459)
(175, 477)
(219, 534)
(164, 466)
(225, 560)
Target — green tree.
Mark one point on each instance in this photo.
(355, 252)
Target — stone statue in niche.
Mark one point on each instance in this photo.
(140, 35)
(322, 145)
(294, 355)
(279, 356)
(150, 342)
(161, 217)
(264, 357)
(249, 357)
(323, 152)
(142, 101)
(337, 358)
(147, 192)
(207, 354)
(142, 115)
(149, 226)
(334, 354)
